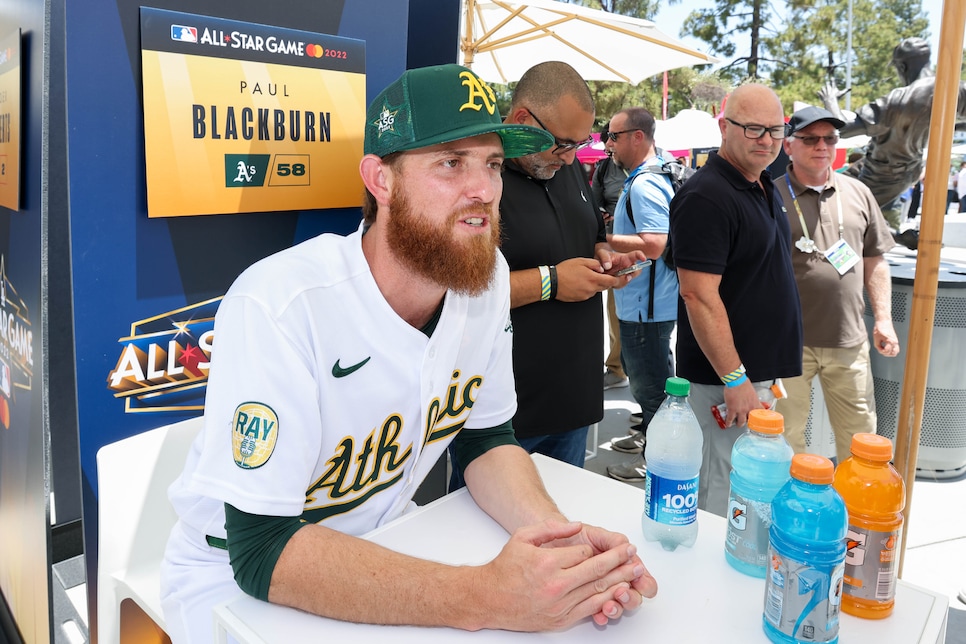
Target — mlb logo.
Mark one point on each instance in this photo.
(184, 34)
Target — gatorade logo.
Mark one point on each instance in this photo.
(477, 89)
(737, 514)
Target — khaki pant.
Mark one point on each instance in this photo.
(846, 378)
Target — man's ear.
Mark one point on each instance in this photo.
(376, 177)
(518, 116)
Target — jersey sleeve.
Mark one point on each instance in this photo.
(262, 420)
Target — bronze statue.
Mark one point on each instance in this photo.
(898, 127)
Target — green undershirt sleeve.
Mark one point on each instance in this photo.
(471, 443)
(255, 542)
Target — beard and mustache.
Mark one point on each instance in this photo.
(432, 250)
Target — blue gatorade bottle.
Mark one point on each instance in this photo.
(806, 556)
(673, 456)
(760, 462)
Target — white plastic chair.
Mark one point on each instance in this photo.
(134, 520)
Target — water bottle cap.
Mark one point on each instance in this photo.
(675, 386)
(812, 468)
(872, 447)
(766, 421)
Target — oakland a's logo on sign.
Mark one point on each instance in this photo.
(254, 432)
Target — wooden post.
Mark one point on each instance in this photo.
(919, 343)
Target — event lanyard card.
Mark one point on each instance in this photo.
(841, 256)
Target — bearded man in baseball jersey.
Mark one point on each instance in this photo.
(346, 366)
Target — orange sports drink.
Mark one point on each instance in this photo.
(874, 495)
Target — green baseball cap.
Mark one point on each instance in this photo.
(438, 104)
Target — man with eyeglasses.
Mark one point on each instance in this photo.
(646, 308)
(555, 244)
(840, 238)
(739, 318)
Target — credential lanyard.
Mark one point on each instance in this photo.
(808, 242)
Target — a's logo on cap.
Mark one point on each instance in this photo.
(477, 90)
(387, 119)
(254, 432)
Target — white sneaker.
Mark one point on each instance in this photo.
(612, 380)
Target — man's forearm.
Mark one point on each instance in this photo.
(878, 286)
(335, 575)
(506, 485)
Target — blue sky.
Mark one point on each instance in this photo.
(669, 20)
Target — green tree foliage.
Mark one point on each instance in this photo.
(728, 22)
(813, 46)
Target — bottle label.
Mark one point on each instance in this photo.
(670, 501)
(748, 524)
(870, 563)
(803, 601)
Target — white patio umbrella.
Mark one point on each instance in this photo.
(688, 129)
(501, 39)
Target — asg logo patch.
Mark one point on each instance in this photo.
(254, 432)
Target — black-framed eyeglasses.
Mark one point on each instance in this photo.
(562, 147)
(613, 135)
(811, 141)
(757, 131)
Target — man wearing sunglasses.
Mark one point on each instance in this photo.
(739, 318)
(555, 244)
(840, 237)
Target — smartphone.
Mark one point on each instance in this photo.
(633, 268)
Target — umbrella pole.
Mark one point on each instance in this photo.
(467, 44)
(925, 286)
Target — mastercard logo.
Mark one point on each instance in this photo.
(316, 51)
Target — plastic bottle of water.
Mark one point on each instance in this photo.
(673, 456)
(760, 462)
(806, 556)
(768, 394)
(874, 494)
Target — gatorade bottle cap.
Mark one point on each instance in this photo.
(766, 421)
(872, 447)
(675, 386)
(812, 468)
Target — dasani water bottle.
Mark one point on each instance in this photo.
(673, 456)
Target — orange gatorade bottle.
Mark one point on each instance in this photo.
(874, 495)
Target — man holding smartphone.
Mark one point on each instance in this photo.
(647, 307)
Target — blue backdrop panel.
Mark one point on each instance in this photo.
(24, 520)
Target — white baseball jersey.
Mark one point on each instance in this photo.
(322, 402)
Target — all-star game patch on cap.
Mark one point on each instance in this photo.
(431, 105)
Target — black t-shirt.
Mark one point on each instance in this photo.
(721, 223)
(558, 353)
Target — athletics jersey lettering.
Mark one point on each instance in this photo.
(362, 468)
(459, 398)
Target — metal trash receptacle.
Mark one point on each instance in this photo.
(942, 440)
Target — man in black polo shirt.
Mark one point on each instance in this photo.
(555, 244)
(739, 317)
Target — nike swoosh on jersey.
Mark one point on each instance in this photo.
(341, 372)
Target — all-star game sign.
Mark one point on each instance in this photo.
(241, 117)
(10, 121)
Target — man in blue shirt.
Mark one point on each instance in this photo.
(647, 307)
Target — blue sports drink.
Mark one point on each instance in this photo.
(803, 586)
(673, 456)
(760, 462)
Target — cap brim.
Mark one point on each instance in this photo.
(518, 140)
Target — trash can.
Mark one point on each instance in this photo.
(942, 440)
